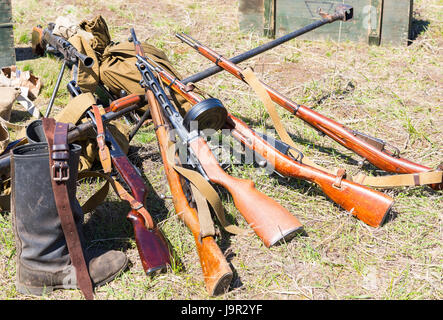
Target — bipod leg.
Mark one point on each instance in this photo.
(57, 85)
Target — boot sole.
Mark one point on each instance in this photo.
(40, 291)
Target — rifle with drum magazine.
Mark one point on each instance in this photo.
(372, 149)
(270, 221)
(368, 205)
(216, 271)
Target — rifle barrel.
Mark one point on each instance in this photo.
(66, 48)
(343, 12)
(370, 206)
(382, 159)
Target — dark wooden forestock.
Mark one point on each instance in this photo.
(368, 205)
(216, 271)
(151, 245)
(382, 159)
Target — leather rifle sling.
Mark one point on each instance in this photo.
(56, 135)
(105, 160)
(121, 192)
(389, 181)
(103, 150)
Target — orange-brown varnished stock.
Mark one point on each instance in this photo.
(382, 159)
(125, 102)
(37, 35)
(368, 205)
(216, 271)
(270, 221)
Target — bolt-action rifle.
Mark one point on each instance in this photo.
(151, 244)
(368, 205)
(270, 221)
(370, 148)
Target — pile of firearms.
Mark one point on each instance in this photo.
(192, 173)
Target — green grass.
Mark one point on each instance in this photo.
(393, 93)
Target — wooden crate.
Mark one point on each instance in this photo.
(375, 21)
(7, 50)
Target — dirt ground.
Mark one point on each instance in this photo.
(393, 93)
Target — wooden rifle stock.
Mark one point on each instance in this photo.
(151, 244)
(270, 221)
(370, 206)
(216, 271)
(126, 102)
(378, 156)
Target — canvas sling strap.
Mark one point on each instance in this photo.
(56, 135)
(201, 189)
(203, 193)
(389, 181)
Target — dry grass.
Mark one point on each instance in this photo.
(394, 93)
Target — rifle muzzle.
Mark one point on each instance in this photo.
(87, 61)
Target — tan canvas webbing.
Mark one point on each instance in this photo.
(205, 188)
(75, 108)
(260, 90)
(207, 227)
(413, 179)
(400, 180)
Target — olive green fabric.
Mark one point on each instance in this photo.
(87, 78)
(114, 63)
(118, 70)
(99, 30)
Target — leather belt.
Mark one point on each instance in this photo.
(56, 135)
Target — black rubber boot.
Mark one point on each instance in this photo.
(42, 258)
